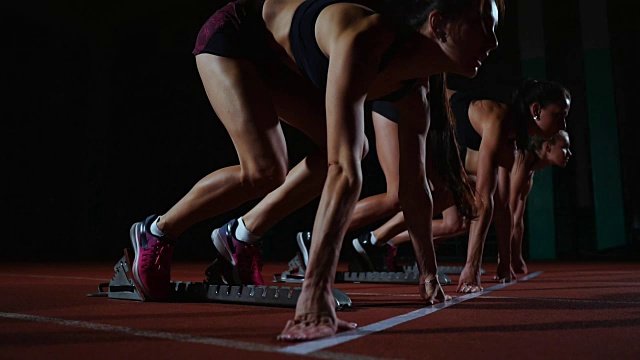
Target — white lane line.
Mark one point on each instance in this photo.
(381, 294)
(311, 346)
(586, 301)
(240, 345)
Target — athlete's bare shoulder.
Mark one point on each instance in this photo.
(335, 23)
(352, 21)
(277, 15)
(488, 113)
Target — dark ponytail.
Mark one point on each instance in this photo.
(446, 154)
(414, 13)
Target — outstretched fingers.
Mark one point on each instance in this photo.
(431, 291)
(469, 281)
(302, 331)
(506, 275)
(313, 327)
(520, 267)
(345, 325)
(467, 288)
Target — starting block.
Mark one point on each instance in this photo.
(409, 275)
(378, 277)
(296, 271)
(123, 287)
(454, 270)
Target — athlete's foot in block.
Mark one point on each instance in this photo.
(469, 281)
(431, 290)
(315, 318)
(519, 266)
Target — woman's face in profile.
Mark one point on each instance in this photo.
(470, 40)
(559, 153)
(553, 118)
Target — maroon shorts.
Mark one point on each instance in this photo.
(236, 30)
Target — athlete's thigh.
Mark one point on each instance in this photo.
(387, 149)
(442, 200)
(243, 103)
(298, 103)
(501, 195)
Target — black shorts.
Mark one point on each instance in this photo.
(386, 109)
(236, 30)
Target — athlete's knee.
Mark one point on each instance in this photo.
(453, 224)
(347, 173)
(392, 202)
(261, 180)
(365, 147)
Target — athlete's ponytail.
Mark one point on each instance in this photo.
(446, 154)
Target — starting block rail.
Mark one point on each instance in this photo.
(123, 287)
(381, 277)
(454, 270)
(409, 275)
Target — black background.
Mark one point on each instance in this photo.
(105, 121)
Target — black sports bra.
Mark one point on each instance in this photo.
(468, 136)
(311, 60)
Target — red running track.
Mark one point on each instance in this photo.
(563, 311)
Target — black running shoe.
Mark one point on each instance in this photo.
(304, 244)
(377, 258)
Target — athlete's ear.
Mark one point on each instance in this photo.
(546, 146)
(437, 25)
(534, 109)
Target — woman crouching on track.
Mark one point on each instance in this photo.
(496, 134)
(542, 153)
(313, 64)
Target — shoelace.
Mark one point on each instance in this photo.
(154, 257)
(165, 249)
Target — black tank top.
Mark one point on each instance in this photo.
(468, 136)
(311, 60)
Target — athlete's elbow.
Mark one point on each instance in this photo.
(408, 194)
(347, 176)
(485, 206)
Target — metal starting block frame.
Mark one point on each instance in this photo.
(454, 270)
(123, 287)
(280, 296)
(409, 275)
(378, 277)
(295, 274)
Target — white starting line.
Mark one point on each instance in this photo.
(310, 348)
(316, 345)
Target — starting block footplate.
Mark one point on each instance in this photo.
(123, 287)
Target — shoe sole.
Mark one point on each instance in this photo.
(135, 241)
(303, 249)
(222, 246)
(362, 252)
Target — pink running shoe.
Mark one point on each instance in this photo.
(390, 257)
(152, 261)
(243, 261)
